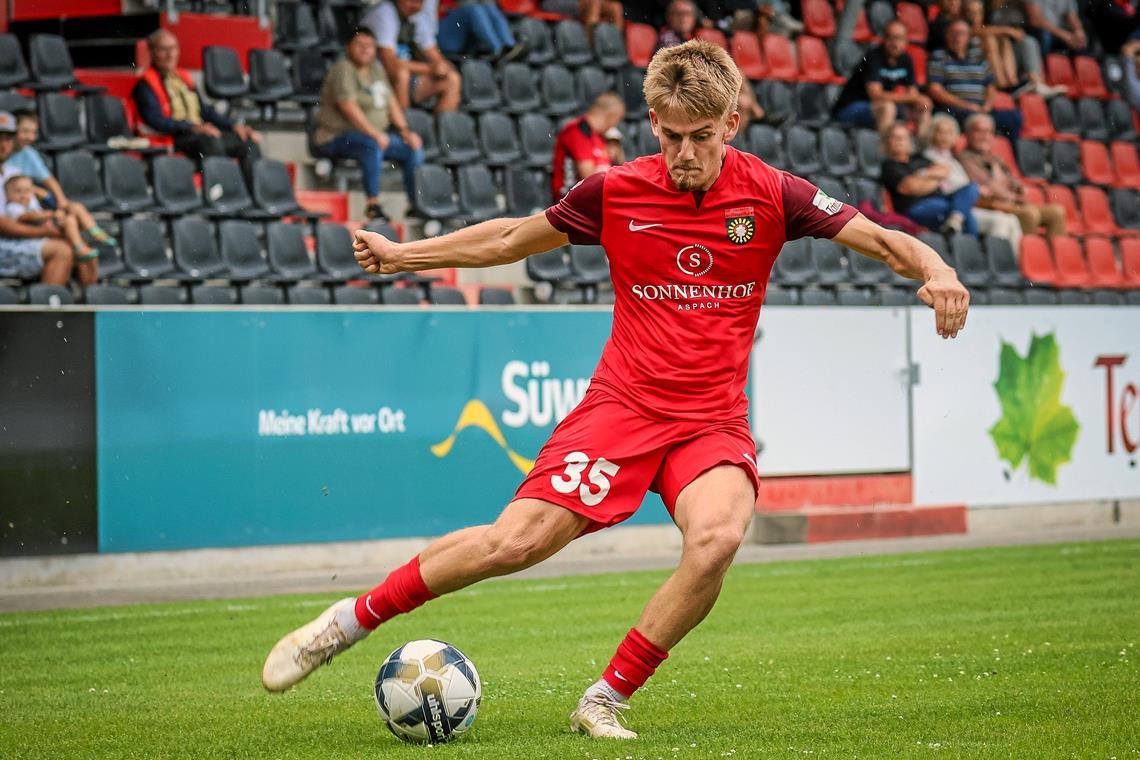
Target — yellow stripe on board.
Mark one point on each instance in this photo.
(476, 414)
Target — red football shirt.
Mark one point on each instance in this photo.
(576, 142)
(689, 272)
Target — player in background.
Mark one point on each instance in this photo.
(691, 234)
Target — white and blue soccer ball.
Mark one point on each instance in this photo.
(428, 691)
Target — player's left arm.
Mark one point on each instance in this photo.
(912, 258)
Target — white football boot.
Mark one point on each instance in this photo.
(304, 650)
(597, 715)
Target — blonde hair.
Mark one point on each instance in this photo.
(941, 119)
(696, 79)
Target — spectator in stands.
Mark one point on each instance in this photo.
(960, 82)
(915, 185)
(478, 26)
(1130, 62)
(999, 187)
(580, 149)
(948, 11)
(406, 31)
(614, 146)
(359, 118)
(591, 12)
(680, 24)
(1056, 25)
(1013, 54)
(883, 88)
(944, 134)
(169, 103)
(22, 205)
(1115, 22)
(24, 251)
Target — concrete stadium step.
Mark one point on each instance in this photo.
(846, 523)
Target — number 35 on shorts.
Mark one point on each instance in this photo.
(597, 484)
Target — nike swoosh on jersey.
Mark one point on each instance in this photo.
(635, 227)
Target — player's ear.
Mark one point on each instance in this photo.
(732, 126)
(653, 123)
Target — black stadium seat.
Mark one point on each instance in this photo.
(803, 150)
(776, 98)
(213, 295)
(589, 268)
(539, 42)
(393, 296)
(1125, 206)
(174, 189)
(764, 141)
(777, 295)
(106, 295)
(334, 253)
(497, 137)
(435, 197)
(61, 127)
(817, 297)
(520, 92)
(309, 68)
(1039, 297)
(794, 265)
(1031, 159)
(457, 138)
(125, 182)
(14, 102)
(195, 250)
(630, 82)
(811, 105)
(287, 253)
(106, 119)
(8, 295)
(551, 266)
(861, 189)
(444, 296)
(241, 250)
(496, 297)
(51, 65)
(13, 68)
(556, 86)
(225, 191)
(1063, 114)
(144, 249)
(477, 196)
(269, 80)
(262, 295)
(589, 83)
(307, 295)
(296, 27)
(78, 174)
(1003, 297)
(609, 47)
(222, 75)
(835, 151)
(1094, 125)
(827, 258)
(351, 295)
(1004, 271)
(162, 295)
(571, 44)
(480, 92)
(273, 191)
(423, 124)
(526, 190)
(855, 297)
(973, 269)
(1119, 118)
(40, 294)
(868, 152)
(536, 138)
(866, 271)
(1066, 160)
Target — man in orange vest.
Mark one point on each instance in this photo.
(170, 104)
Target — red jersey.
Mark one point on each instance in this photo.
(690, 270)
(576, 142)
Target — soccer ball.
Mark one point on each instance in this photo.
(428, 691)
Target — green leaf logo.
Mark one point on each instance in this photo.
(1034, 425)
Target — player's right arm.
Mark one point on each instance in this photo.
(487, 244)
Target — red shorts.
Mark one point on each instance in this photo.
(603, 457)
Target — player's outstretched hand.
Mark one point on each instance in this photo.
(950, 301)
(376, 254)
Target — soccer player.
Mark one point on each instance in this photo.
(691, 235)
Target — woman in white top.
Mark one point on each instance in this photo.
(943, 136)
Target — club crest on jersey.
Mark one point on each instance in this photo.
(740, 224)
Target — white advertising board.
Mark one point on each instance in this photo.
(1028, 405)
(829, 390)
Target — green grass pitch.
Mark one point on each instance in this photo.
(1019, 652)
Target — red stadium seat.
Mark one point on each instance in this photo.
(779, 57)
(914, 19)
(1089, 78)
(1072, 271)
(815, 64)
(1127, 164)
(1059, 72)
(918, 55)
(1096, 213)
(1003, 101)
(1003, 150)
(819, 18)
(640, 41)
(1036, 262)
(1063, 196)
(862, 33)
(717, 37)
(1036, 125)
(1130, 261)
(1095, 165)
(745, 51)
(1103, 266)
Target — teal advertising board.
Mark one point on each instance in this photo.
(235, 429)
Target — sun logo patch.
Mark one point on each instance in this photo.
(740, 224)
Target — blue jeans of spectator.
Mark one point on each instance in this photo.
(475, 26)
(859, 114)
(367, 152)
(933, 212)
(1006, 122)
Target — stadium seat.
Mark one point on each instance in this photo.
(478, 199)
(1004, 297)
(868, 152)
(862, 190)
(288, 256)
(308, 70)
(1130, 262)
(273, 191)
(716, 37)
(225, 191)
(78, 174)
(14, 102)
(269, 80)
(779, 57)
(970, 261)
(1037, 124)
(106, 119)
(352, 295)
(335, 257)
(1059, 73)
(776, 98)
(423, 124)
(195, 250)
(1089, 80)
(496, 297)
(1003, 149)
(1063, 197)
(835, 152)
(520, 93)
(764, 142)
(827, 258)
(434, 192)
(1004, 271)
(589, 83)
(296, 28)
(480, 92)
(1095, 164)
(815, 65)
(589, 268)
(879, 14)
(54, 296)
(1107, 298)
(174, 189)
(162, 295)
(1126, 165)
(1039, 296)
(241, 250)
(538, 40)
(913, 17)
(308, 295)
(1104, 269)
(556, 86)
(536, 138)
(831, 186)
(640, 42)
(105, 295)
(1096, 212)
(445, 296)
(571, 44)
(51, 65)
(144, 249)
(794, 265)
(110, 260)
(811, 105)
(1125, 206)
(937, 241)
(1066, 121)
(222, 75)
(777, 295)
(647, 143)
(803, 149)
(818, 18)
(845, 56)
(1094, 126)
(553, 266)
(817, 297)
(1066, 161)
(609, 47)
(125, 184)
(855, 297)
(13, 68)
(1035, 194)
(1072, 271)
(1031, 161)
(526, 191)
(1036, 261)
(498, 140)
(1070, 297)
(1121, 125)
(61, 127)
(630, 83)
(458, 139)
(393, 296)
(262, 295)
(213, 295)
(745, 51)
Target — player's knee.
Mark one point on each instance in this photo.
(509, 549)
(714, 547)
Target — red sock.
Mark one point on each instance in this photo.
(402, 591)
(635, 660)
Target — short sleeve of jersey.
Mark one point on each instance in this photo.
(809, 212)
(579, 213)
